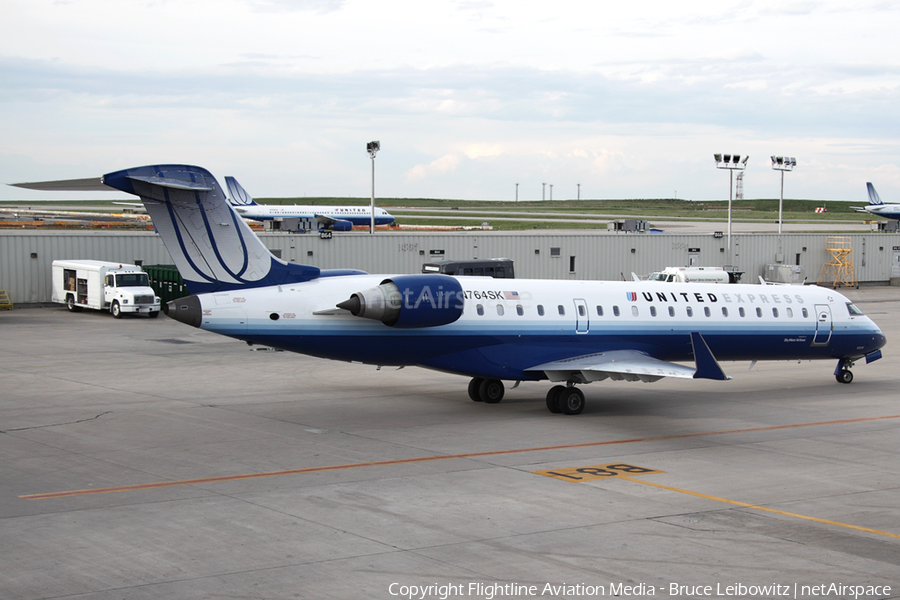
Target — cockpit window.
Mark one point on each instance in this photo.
(851, 308)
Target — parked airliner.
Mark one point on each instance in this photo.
(877, 207)
(492, 330)
(337, 218)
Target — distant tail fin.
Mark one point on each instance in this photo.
(212, 247)
(874, 198)
(238, 196)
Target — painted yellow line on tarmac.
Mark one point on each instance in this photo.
(420, 459)
(764, 508)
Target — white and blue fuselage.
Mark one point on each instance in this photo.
(509, 326)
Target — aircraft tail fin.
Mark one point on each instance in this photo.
(210, 244)
(237, 195)
(874, 198)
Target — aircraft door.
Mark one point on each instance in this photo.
(823, 325)
(895, 267)
(582, 318)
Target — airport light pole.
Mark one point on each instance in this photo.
(782, 163)
(517, 192)
(372, 148)
(732, 163)
(543, 192)
(579, 190)
(551, 191)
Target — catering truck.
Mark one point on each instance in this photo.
(117, 287)
(693, 275)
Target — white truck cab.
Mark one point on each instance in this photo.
(117, 287)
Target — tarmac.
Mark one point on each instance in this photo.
(144, 459)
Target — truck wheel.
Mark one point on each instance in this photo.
(70, 304)
(153, 314)
(116, 310)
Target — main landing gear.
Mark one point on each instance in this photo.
(560, 398)
(566, 400)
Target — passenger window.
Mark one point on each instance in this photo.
(599, 311)
(790, 313)
(500, 309)
(616, 311)
(741, 311)
(540, 310)
(562, 310)
(581, 310)
(775, 312)
(634, 310)
(706, 311)
(480, 310)
(724, 311)
(805, 313)
(652, 311)
(758, 312)
(519, 310)
(690, 311)
(671, 311)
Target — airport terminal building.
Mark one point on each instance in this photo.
(867, 258)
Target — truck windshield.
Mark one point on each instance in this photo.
(132, 280)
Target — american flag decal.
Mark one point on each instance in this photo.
(511, 295)
(631, 296)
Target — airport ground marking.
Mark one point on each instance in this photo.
(765, 508)
(629, 473)
(437, 457)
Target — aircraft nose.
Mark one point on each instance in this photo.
(187, 310)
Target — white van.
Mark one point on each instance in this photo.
(117, 287)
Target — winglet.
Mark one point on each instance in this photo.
(707, 365)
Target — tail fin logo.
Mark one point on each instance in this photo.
(238, 196)
(874, 198)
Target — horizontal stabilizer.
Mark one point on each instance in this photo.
(90, 184)
(173, 184)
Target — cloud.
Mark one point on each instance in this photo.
(441, 166)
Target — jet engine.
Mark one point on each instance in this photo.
(410, 301)
(340, 225)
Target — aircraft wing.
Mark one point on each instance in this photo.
(326, 220)
(632, 365)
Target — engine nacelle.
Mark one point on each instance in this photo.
(410, 301)
(338, 226)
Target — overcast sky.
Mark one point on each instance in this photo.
(468, 98)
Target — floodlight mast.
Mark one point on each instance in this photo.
(372, 148)
(732, 163)
(782, 163)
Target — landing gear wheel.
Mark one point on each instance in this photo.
(491, 390)
(571, 401)
(474, 386)
(553, 398)
(845, 376)
(116, 310)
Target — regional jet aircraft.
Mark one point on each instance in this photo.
(492, 330)
(337, 218)
(877, 207)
